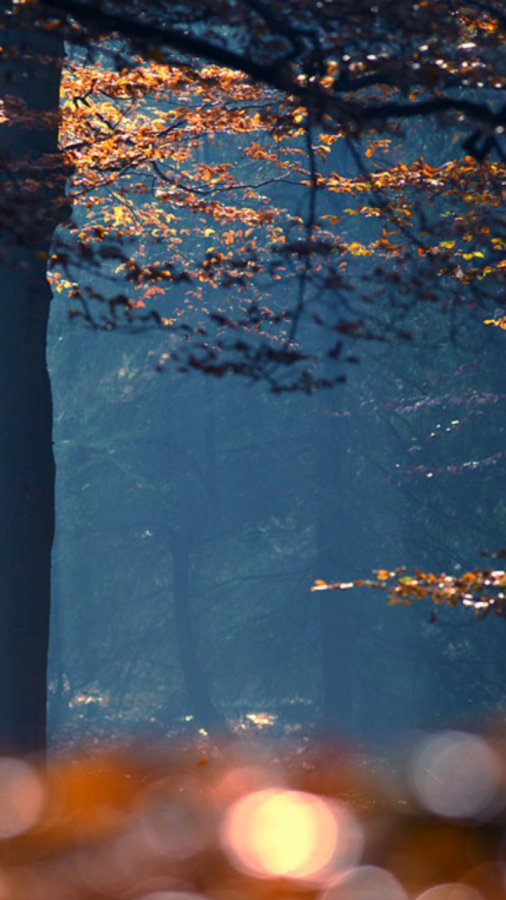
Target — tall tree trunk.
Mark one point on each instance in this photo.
(31, 189)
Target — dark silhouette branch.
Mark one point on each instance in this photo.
(282, 75)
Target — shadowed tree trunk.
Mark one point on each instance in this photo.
(32, 189)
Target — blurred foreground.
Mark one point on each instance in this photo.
(249, 820)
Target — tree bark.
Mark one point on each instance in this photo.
(32, 190)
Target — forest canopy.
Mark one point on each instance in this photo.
(262, 151)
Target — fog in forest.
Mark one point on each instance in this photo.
(194, 514)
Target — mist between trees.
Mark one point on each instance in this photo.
(271, 243)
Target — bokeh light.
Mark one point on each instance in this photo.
(450, 892)
(366, 883)
(488, 879)
(455, 774)
(21, 797)
(237, 781)
(171, 895)
(292, 834)
(173, 829)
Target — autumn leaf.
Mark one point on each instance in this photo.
(383, 574)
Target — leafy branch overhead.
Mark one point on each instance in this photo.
(406, 62)
(240, 168)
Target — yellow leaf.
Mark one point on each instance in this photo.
(121, 216)
(382, 574)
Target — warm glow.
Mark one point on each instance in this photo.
(171, 895)
(274, 832)
(21, 797)
(450, 892)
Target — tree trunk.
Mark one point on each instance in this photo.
(32, 189)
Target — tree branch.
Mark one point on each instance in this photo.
(280, 75)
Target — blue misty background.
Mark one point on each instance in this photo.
(194, 514)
